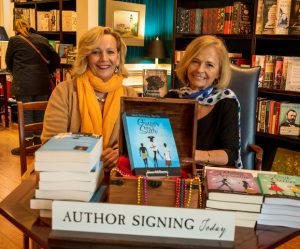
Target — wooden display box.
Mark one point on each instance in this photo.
(160, 192)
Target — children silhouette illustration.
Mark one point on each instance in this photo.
(167, 155)
(144, 154)
(225, 183)
(154, 148)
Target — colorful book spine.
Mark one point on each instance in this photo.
(283, 17)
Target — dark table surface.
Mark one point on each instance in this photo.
(15, 208)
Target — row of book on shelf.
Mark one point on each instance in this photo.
(69, 169)
(233, 19)
(48, 20)
(277, 17)
(278, 118)
(278, 72)
(235, 58)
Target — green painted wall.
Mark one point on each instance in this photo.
(159, 22)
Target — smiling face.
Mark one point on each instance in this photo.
(105, 58)
(204, 69)
(291, 116)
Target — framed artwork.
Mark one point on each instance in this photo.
(128, 19)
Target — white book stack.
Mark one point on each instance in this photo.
(281, 205)
(69, 168)
(234, 190)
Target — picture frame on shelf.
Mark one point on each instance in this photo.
(128, 19)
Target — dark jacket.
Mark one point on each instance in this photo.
(30, 72)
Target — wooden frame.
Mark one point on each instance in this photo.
(133, 28)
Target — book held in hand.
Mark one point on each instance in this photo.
(66, 147)
(151, 145)
(233, 186)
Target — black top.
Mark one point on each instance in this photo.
(219, 130)
(30, 72)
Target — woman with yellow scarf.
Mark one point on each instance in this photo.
(90, 101)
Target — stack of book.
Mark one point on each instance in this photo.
(234, 190)
(69, 168)
(281, 205)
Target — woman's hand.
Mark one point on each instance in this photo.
(110, 158)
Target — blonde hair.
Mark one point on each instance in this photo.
(195, 48)
(89, 41)
(22, 27)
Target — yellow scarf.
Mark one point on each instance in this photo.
(92, 120)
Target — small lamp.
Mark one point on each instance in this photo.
(3, 34)
(157, 50)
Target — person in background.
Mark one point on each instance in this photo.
(205, 71)
(30, 73)
(90, 101)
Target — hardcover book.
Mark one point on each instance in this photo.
(269, 16)
(71, 147)
(294, 28)
(63, 51)
(292, 75)
(233, 186)
(280, 189)
(283, 17)
(289, 120)
(151, 144)
(154, 82)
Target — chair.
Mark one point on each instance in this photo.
(25, 151)
(244, 82)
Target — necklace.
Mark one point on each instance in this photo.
(101, 97)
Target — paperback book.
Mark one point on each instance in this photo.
(151, 145)
(233, 206)
(280, 189)
(233, 186)
(62, 176)
(71, 147)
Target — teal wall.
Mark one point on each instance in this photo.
(159, 22)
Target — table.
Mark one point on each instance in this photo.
(4, 84)
(15, 208)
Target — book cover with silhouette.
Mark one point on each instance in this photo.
(154, 83)
(280, 189)
(232, 186)
(151, 145)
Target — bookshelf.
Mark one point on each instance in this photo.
(247, 44)
(60, 6)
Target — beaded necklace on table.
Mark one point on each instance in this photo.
(182, 197)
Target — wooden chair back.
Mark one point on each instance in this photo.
(25, 151)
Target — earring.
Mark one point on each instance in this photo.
(116, 69)
(216, 81)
